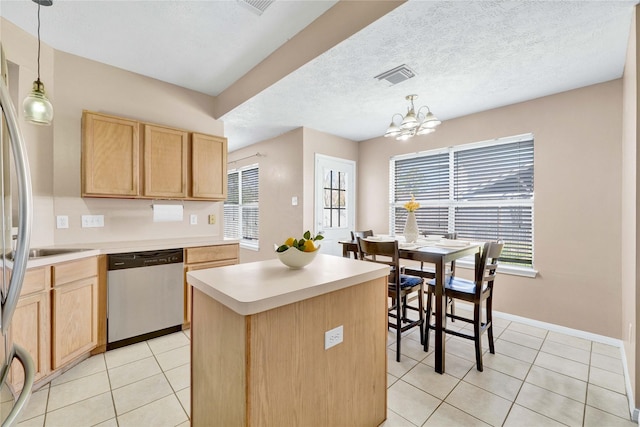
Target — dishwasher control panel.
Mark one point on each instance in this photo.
(144, 259)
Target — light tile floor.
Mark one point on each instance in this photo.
(536, 378)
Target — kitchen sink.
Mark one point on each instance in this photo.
(35, 253)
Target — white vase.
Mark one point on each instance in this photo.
(411, 228)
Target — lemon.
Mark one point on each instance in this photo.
(289, 241)
(309, 246)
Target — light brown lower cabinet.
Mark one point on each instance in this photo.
(74, 317)
(74, 321)
(201, 257)
(30, 329)
(56, 317)
(31, 326)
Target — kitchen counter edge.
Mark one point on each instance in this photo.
(256, 287)
(105, 248)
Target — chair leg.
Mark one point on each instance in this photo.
(398, 327)
(489, 305)
(427, 322)
(452, 309)
(477, 318)
(421, 313)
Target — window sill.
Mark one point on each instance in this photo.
(251, 245)
(504, 269)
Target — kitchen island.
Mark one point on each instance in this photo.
(261, 355)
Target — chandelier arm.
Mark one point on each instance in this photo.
(394, 116)
(424, 115)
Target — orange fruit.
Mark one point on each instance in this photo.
(309, 246)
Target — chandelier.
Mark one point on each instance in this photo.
(412, 124)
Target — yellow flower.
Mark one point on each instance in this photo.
(412, 205)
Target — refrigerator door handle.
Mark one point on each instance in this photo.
(29, 374)
(25, 206)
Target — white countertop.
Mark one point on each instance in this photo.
(98, 248)
(149, 245)
(260, 286)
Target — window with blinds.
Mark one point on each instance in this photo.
(481, 191)
(241, 209)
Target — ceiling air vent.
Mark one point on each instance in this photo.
(256, 6)
(397, 75)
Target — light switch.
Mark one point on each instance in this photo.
(194, 219)
(294, 201)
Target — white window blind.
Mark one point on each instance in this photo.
(480, 191)
(241, 209)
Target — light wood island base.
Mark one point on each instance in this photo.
(271, 368)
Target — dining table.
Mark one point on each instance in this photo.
(439, 253)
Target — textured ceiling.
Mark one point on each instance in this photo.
(469, 56)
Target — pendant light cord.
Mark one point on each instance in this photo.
(38, 42)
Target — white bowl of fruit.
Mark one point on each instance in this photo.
(297, 253)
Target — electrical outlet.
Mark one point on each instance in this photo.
(294, 201)
(91, 221)
(62, 221)
(194, 219)
(212, 219)
(333, 337)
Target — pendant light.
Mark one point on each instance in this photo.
(36, 106)
(412, 123)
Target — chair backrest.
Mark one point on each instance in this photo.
(486, 268)
(382, 253)
(363, 234)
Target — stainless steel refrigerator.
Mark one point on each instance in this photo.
(12, 148)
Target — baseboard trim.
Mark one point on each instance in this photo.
(633, 411)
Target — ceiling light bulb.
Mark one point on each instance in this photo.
(36, 106)
(409, 121)
(424, 130)
(393, 130)
(431, 121)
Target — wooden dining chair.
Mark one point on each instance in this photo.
(400, 287)
(428, 271)
(352, 249)
(362, 234)
(475, 292)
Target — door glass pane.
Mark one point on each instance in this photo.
(335, 196)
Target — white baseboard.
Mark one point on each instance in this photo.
(633, 411)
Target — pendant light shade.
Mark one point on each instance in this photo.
(36, 106)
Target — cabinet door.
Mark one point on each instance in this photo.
(30, 329)
(110, 156)
(208, 167)
(74, 320)
(165, 162)
(187, 287)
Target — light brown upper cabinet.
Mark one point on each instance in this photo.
(129, 159)
(208, 167)
(110, 156)
(165, 162)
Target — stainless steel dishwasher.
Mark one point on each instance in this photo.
(145, 296)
